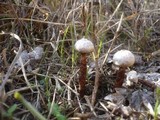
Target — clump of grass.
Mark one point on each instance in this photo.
(57, 113)
(157, 105)
(10, 112)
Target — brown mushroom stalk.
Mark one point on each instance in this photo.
(120, 76)
(83, 70)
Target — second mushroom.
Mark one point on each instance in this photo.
(121, 60)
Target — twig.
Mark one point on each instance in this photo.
(155, 53)
(55, 77)
(34, 20)
(114, 39)
(24, 74)
(78, 100)
(52, 104)
(148, 83)
(90, 106)
(21, 89)
(4, 80)
(96, 83)
(104, 26)
(69, 84)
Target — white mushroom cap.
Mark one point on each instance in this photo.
(124, 58)
(84, 46)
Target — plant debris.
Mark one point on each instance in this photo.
(39, 62)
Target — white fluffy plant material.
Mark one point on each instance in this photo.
(24, 56)
(35, 54)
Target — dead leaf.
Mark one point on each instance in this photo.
(138, 99)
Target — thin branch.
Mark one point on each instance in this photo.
(148, 83)
(4, 80)
(104, 26)
(114, 39)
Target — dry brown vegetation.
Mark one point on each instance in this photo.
(50, 83)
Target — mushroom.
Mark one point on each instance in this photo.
(131, 77)
(85, 47)
(121, 61)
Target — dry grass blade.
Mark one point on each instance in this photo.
(21, 89)
(34, 20)
(110, 17)
(52, 104)
(14, 60)
(114, 39)
(55, 77)
(24, 74)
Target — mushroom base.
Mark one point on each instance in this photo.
(120, 77)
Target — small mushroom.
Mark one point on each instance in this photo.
(131, 77)
(122, 60)
(85, 47)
